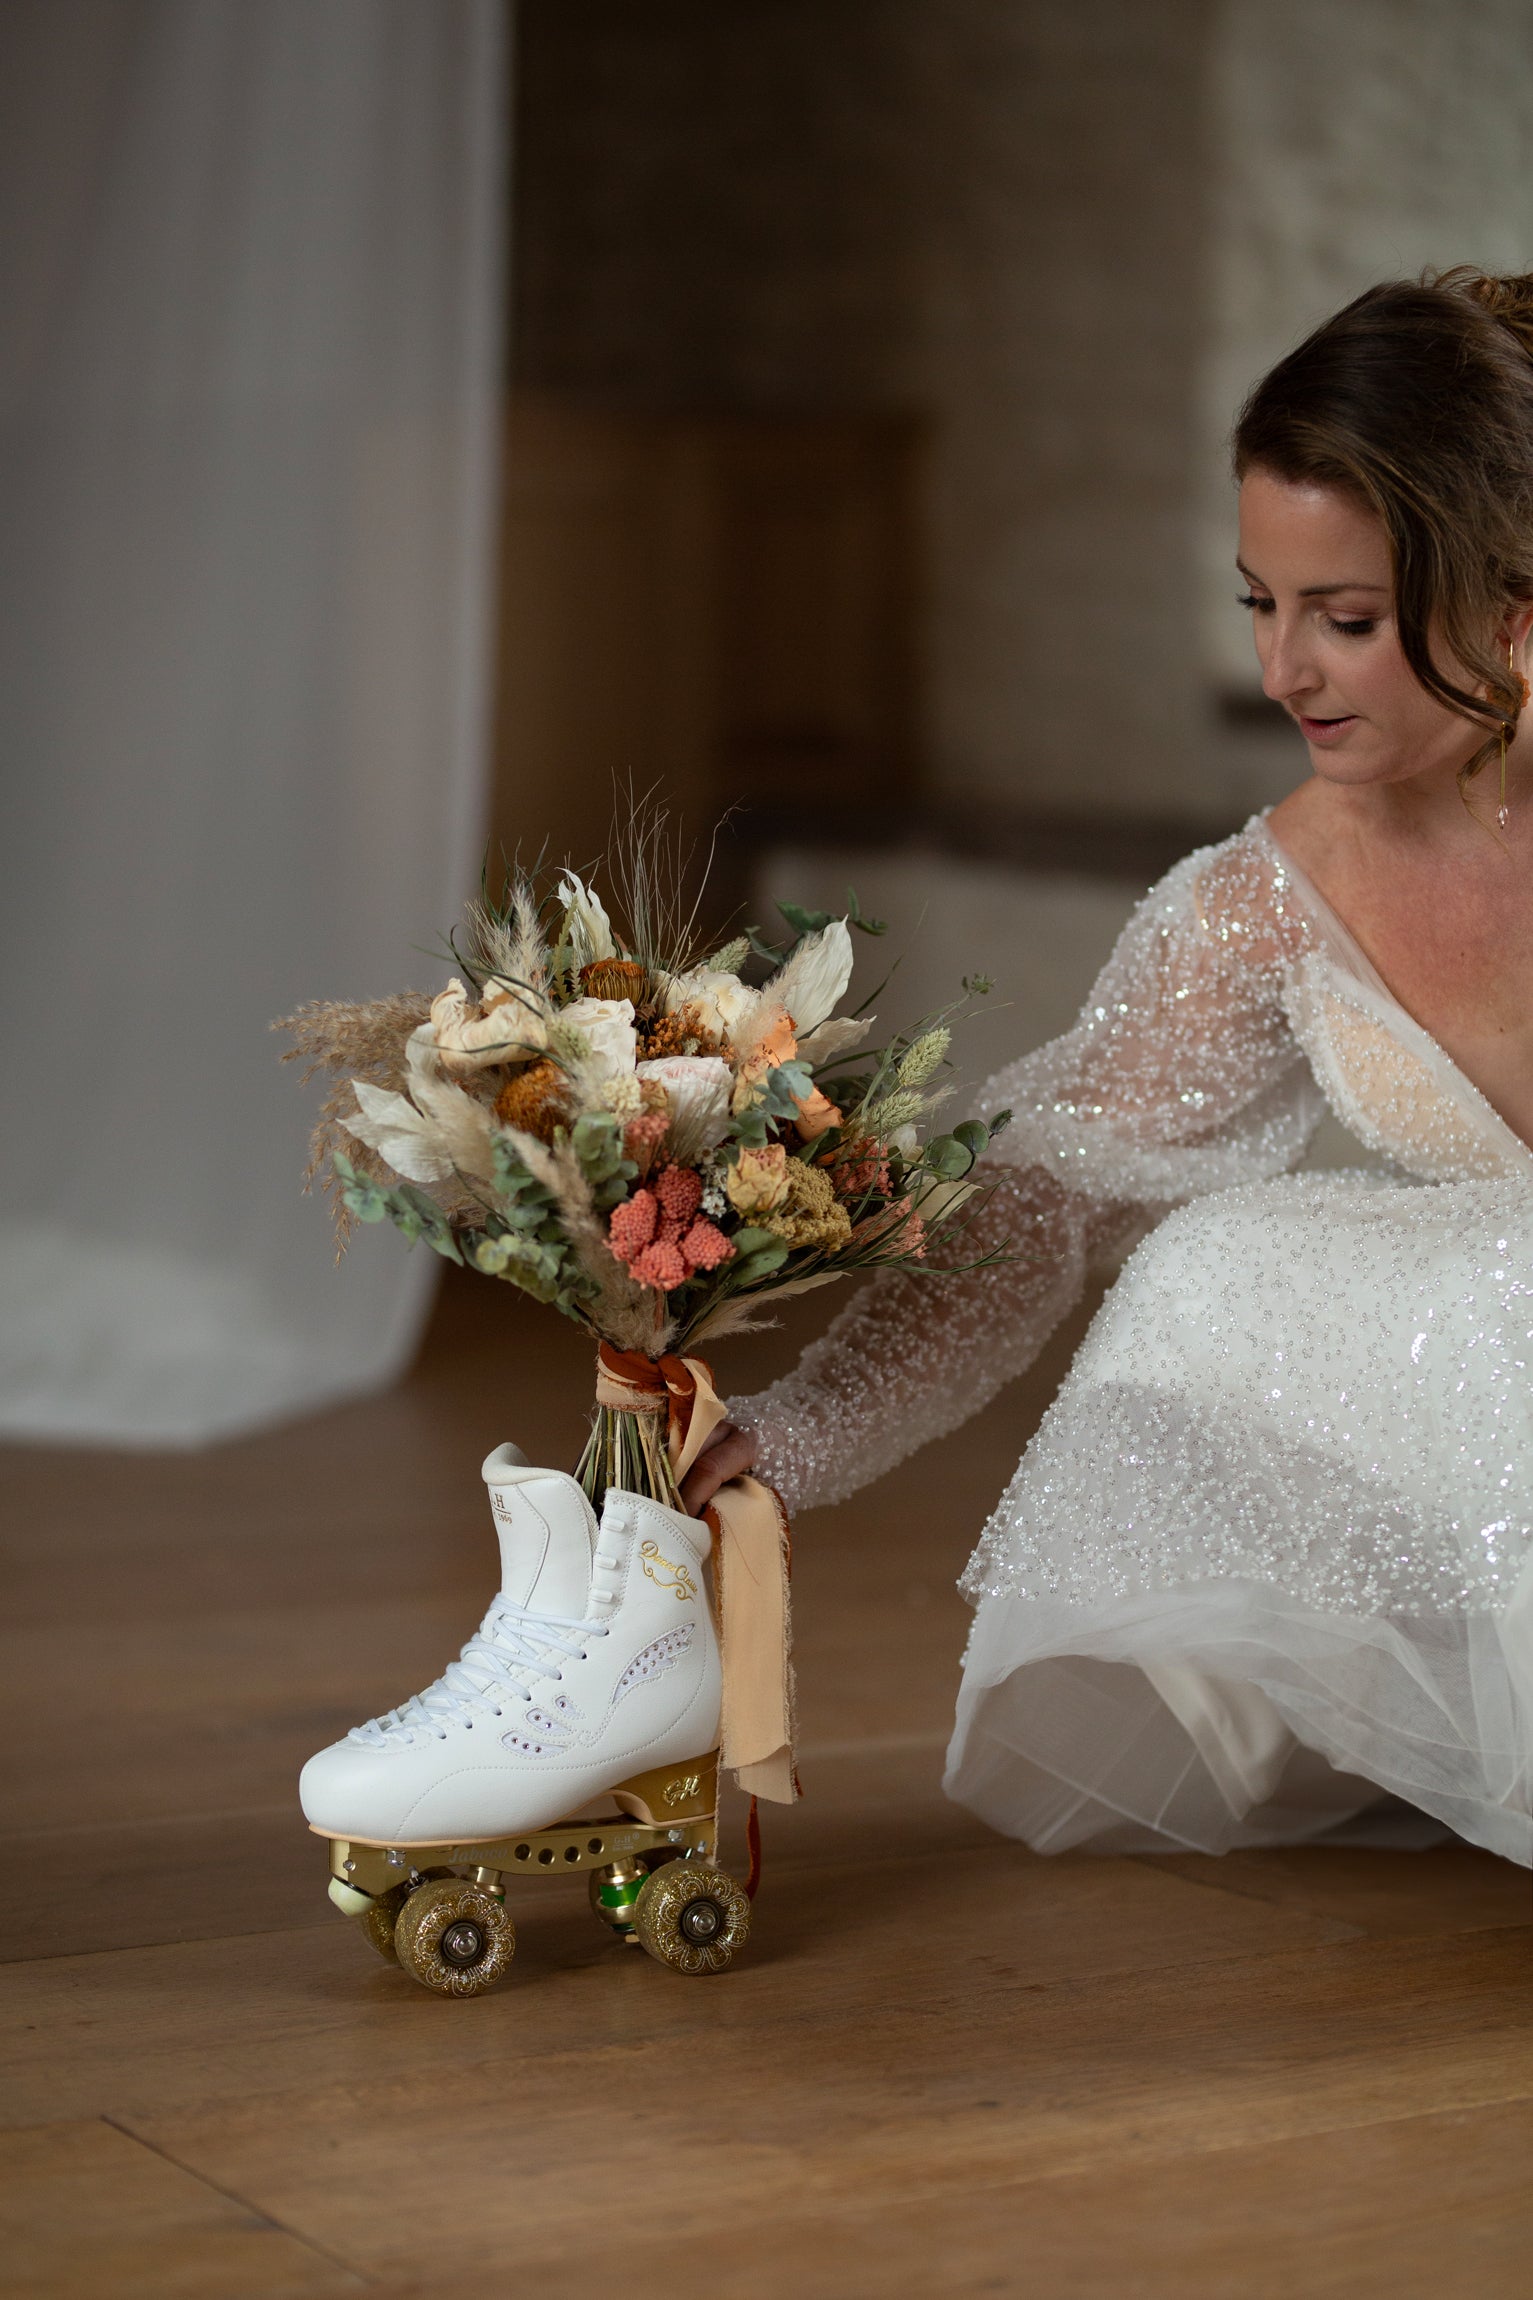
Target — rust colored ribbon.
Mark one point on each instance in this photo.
(750, 1566)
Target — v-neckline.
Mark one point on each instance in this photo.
(1335, 931)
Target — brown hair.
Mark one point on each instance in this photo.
(1417, 399)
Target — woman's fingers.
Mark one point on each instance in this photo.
(727, 1454)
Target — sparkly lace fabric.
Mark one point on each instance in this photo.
(1281, 1514)
(1182, 1076)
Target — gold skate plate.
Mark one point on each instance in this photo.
(671, 1808)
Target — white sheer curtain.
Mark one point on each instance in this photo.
(251, 266)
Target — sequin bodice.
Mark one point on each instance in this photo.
(1234, 1010)
(1384, 1076)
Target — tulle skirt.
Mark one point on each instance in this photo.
(1266, 1572)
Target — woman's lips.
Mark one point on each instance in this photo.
(1324, 731)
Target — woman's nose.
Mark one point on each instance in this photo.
(1285, 672)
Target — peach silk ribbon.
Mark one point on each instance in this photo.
(750, 1566)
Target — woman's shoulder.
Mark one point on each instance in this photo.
(1239, 895)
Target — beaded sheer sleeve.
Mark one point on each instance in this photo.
(1181, 1076)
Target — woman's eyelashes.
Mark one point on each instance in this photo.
(1345, 626)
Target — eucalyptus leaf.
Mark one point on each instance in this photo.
(947, 1157)
(363, 1198)
(855, 917)
(805, 921)
(418, 1216)
(444, 1243)
(747, 1268)
(511, 1176)
(597, 1141)
(535, 1269)
(787, 1085)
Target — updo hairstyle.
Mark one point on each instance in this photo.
(1417, 400)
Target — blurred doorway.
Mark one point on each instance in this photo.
(725, 607)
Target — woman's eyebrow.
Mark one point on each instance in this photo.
(1319, 590)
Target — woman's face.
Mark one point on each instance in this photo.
(1317, 568)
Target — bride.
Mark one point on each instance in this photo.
(1266, 1571)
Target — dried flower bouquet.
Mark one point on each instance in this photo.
(637, 1133)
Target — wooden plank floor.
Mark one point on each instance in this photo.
(943, 2066)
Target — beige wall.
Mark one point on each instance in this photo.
(1069, 235)
(986, 210)
(1350, 144)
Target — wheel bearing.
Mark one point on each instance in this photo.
(456, 1937)
(692, 1917)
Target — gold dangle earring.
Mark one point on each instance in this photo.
(1519, 687)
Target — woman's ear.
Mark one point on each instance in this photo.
(1517, 626)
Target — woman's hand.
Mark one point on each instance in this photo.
(728, 1452)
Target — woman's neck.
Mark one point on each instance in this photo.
(1413, 815)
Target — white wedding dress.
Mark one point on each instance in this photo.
(1266, 1571)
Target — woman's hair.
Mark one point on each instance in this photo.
(1417, 400)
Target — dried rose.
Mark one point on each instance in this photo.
(470, 1035)
(725, 1004)
(606, 1025)
(757, 1183)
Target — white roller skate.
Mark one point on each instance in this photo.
(592, 1680)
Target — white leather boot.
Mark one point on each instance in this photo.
(597, 1661)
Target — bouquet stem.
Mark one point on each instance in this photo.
(626, 1449)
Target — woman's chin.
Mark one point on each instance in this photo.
(1348, 764)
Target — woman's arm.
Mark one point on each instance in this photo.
(1181, 1076)
(912, 1357)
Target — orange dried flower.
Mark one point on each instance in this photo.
(684, 1032)
(533, 1101)
(613, 978)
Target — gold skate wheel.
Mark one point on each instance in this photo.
(455, 1937)
(376, 1924)
(692, 1917)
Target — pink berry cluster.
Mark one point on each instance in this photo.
(661, 1235)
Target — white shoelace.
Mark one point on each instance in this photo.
(511, 1649)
